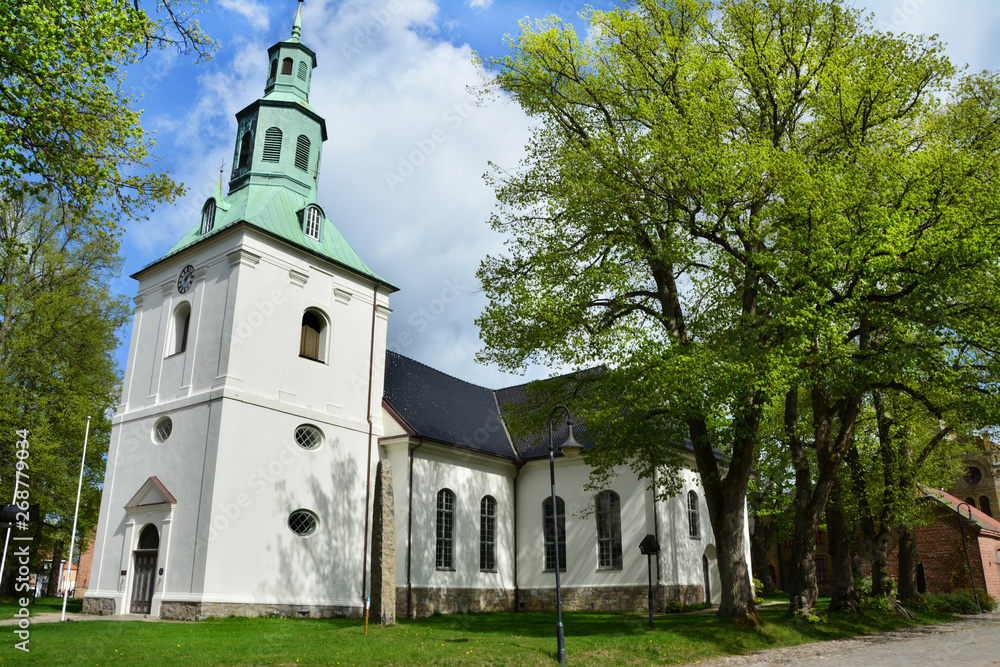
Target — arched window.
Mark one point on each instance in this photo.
(312, 344)
(274, 69)
(984, 505)
(182, 321)
(272, 145)
(706, 574)
(246, 150)
(302, 153)
(303, 71)
(443, 548)
(551, 534)
(922, 576)
(971, 501)
(609, 530)
(488, 534)
(149, 539)
(694, 528)
(286, 66)
(313, 220)
(208, 216)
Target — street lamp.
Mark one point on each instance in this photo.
(961, 525)
(569, 449)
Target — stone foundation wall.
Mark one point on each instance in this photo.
(196, 611)
(99, 606)
(427, 601)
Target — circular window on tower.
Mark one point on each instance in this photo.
(162, 430)
(302, 522)
(308, 436)
(973, 475)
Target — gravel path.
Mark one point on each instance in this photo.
(973, 641)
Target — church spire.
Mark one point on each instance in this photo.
(297, 25)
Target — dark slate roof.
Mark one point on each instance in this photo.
(445, 409)
(536, 445)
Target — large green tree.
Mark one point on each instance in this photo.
(740, 206)
(59, 326)
(68, 126)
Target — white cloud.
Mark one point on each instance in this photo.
(479, 4)
(253, 11)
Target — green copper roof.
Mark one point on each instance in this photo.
(276, 210)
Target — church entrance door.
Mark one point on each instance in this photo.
(145, 570)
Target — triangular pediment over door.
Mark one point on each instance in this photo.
(152, 492)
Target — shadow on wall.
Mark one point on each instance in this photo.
(325, 565)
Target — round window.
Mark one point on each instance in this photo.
(973, 475)
(302, 522)
(308, 436)
(162, 430)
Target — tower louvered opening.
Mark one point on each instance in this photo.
(303, 71)
(302, 153)
(272, 145)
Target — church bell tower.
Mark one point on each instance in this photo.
(238, 468)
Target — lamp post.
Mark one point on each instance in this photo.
(968, 562)
(569, 449)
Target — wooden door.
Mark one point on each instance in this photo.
(142, 587)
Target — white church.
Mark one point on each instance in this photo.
(259, 398)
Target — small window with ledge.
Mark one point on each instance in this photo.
(312, 344)
(286, 66)
(208, 216)
(313, 222)
(274, 69)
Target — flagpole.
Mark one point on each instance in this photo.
(76, 513)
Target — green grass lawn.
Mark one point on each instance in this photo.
(597, 639)
(40, 606)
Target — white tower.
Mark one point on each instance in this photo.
(238, 471)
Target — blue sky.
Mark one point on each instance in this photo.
(392, 74)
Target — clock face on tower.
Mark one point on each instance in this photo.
(185, 279)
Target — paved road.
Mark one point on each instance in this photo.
(973, 641)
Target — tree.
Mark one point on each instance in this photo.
(69, 129)
(58, 334)
(731, 202)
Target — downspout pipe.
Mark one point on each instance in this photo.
(371, 435)
(409, 534)
(518, 464)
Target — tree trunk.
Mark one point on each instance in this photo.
(760, 538)
(845, 596)
(55, 572)
(726, 500)
(908, 559)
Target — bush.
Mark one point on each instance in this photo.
(758, 586)
(863, 585)
(960, 602)
(758, 600)
(673, 607)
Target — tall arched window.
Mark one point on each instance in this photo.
(609, 530)
(488, 534)
(302, 152)
(286, 66)
(312, 343)
(182, 321)
(272, 145)
(984, 505)
(694, 528)
(246, 150)
(707, 575)
(551, 533)
(971, 501)
(822, 574)
(922, 576)
(208, 216)
(443, 548)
